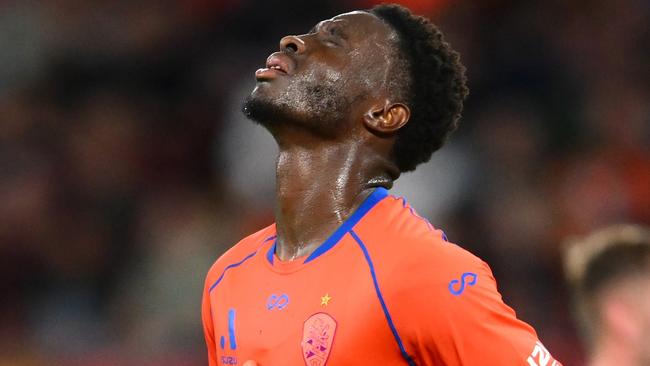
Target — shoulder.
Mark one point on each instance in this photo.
(437, 264)
(405, 244)
(240, 252)
(444, 260)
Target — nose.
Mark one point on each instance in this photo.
(292, 44)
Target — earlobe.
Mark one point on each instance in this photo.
(388, 118)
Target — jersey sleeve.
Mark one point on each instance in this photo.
(208, 326)
(456, 316)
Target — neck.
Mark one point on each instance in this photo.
(320, 186)
(613, 351)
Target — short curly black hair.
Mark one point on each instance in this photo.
(434, 91)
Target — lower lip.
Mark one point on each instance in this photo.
(268, 73)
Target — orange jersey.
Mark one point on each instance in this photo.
(386, 288)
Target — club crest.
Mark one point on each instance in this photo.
(317, 338)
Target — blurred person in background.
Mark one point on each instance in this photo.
(350, 274)
(609, 273)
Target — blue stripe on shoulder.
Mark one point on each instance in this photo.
(405, 355)
(377, 195)
(237, 264)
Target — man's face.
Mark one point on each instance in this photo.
(321, 80)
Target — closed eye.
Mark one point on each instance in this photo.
(330, 33)
(333, 36)
(336, 31)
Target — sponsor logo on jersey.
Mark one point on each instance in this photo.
(232, 340)
(456, 287)
(277, 302)
(228, 360)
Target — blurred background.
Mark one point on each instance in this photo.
(126, 167)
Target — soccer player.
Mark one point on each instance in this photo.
(609, 272)
(350, 274)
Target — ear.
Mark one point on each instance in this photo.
(388, 118)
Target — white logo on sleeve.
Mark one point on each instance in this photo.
(541, 356)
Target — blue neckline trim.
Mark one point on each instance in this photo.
(377, 195)
(269, 254)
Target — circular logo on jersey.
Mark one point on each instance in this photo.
(317, 338)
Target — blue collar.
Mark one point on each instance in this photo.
(377, 195)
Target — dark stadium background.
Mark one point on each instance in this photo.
(126, 168)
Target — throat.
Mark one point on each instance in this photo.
(317, 190)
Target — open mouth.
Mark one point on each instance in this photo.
(278, 64)
(277, 67)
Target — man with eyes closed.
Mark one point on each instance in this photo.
(350, 274)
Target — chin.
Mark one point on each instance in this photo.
(321, 109)
(266, 110)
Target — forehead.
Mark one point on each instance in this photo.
(363, 25)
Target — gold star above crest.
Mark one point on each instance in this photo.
(325, 300)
